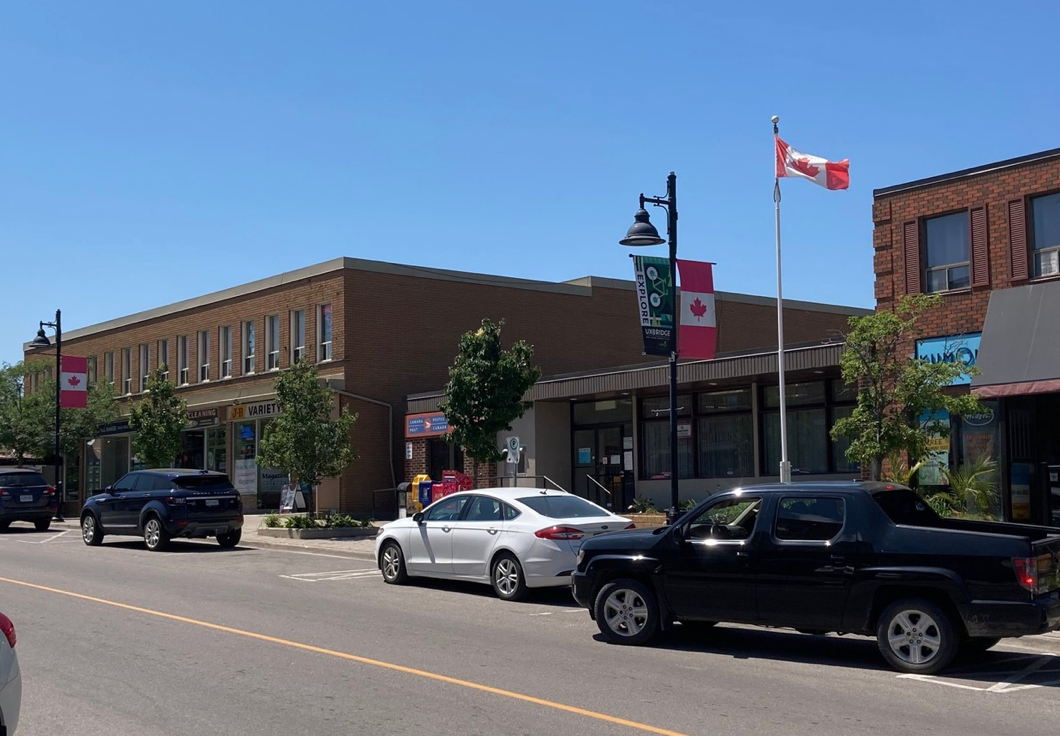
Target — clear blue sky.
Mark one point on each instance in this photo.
(151, 152)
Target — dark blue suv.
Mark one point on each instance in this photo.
(161, 504)
(26, 496)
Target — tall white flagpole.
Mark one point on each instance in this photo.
(785, 466)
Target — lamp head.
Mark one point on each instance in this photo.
(642, 232)
(41, 340)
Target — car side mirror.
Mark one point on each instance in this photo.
(418, 517)
(108, 490)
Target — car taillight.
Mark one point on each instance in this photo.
(49, 490)
(175, 500)
(631, 525)
(1026, 572)
(9, 630)
(559, 532)
(4, 492)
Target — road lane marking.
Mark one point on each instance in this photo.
(299, 552)
(57, 536)
(1009, 685)
(318, 577)
(362, 660)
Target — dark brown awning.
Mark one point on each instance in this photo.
(1020, 349)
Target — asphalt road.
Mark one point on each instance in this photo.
(117, 640)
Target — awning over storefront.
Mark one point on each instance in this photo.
(1020, 349)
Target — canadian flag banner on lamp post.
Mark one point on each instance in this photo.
(73, 392)
(698, 332)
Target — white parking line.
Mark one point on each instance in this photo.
(1008, 685)
(317, 577)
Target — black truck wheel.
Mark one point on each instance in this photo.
(627, 612)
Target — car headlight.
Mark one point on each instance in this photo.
(581, 556)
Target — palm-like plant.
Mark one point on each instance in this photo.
(900, 472)
(972, 486)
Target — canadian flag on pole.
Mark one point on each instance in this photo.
(699, 331)
(73, 393)
(829, 174)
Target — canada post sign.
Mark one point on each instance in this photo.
(430, 424)
(963, 349)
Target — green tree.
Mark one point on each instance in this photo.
(485, 390)
(27, 421)
(158, 421)
(304, 441)
(895, 390)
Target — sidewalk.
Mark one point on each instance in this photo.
(361, 548)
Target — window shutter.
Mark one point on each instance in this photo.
(911, 246)
(980, 247)
(1017, 240)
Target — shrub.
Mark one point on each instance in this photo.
(642, 505)
(272, 521)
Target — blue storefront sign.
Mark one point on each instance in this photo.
(114, 428)
(963, 349)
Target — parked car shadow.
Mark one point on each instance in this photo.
(977, 669)
(28, 529)
(178, 546)
(555, 596)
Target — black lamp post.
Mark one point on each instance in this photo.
(42, 341)
(643, 233)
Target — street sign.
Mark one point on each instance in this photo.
(513, 450)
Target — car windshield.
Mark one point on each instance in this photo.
(562, 507)
(905, 507)
(203, 482)
(21, 480)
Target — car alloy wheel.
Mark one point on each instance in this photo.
(507, 578)
(915, 635)
(393, 564)
(626, 612)
(155, 536)
(90, 531)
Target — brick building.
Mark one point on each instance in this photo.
(988, 240)
(379, 333)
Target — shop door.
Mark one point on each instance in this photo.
(600, 465)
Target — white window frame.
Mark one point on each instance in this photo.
(163, 358)
(126, 371)
(182, 360)
(202, 348)
(108, 366)
(225, 339)
(249, 347)
(145, 365)
(297, 335)
(272, 352)
(946, 268)
(324, 353)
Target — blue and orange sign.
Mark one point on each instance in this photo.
(428, 424)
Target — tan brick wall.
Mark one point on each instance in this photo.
(963, 311)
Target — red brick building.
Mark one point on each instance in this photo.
(988, 240)
(378, 333)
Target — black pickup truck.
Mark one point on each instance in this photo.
(161, 504)
(851, 557)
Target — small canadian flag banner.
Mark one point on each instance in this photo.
(698, 329)
(73, 392)
(829, 174)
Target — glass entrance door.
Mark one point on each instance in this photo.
(602, 464)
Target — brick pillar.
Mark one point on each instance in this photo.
(418, 464)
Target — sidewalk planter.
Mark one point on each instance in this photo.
(646, 521)
(345, 532)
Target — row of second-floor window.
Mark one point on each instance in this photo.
(951, 252)
(212, 347)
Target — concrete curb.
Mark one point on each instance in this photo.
(297, 545)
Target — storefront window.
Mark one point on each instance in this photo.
(217, 449)
(659, 408)
(807, 441)
(603, 412)
(841, 445)
(245, 447)
(656, 440)
(92, 467)
(192, 451)
(726, 446)
(114, 459)
(795, 394)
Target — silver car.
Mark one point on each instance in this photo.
(10, 679)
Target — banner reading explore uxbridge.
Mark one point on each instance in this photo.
(655, 294)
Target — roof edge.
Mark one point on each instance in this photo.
(968, 173)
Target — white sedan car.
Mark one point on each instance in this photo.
(10, 679)
(512, 538)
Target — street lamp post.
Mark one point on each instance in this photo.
(642, 233)
(41, 340)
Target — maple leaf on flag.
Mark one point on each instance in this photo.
(73, 380)
(804, 166)
(698, 308)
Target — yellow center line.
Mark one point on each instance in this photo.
(362, 660)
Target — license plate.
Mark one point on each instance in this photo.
(26, 498)
(212, 502)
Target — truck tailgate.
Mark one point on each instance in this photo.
(1047, 552)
